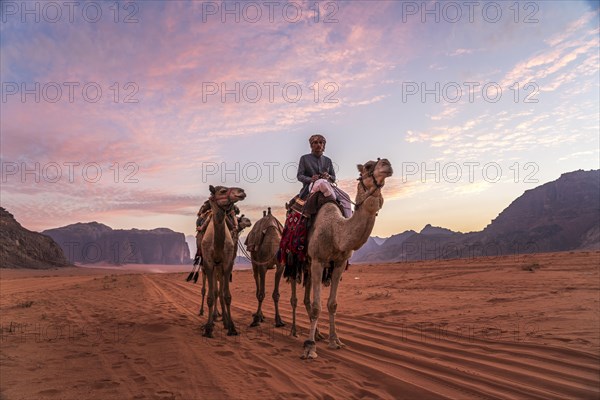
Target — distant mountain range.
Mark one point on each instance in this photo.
(92, 242)
(557, 216)
(561, 215)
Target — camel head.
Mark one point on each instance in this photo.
(243, 223)
(226, 196)
(372, 178)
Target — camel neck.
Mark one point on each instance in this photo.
(358, 227)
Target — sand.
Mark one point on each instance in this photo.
(503, 327)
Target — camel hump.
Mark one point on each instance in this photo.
(270, 220)
(256, 235)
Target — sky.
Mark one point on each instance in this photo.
(125, 112)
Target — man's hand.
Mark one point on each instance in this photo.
(314, 178)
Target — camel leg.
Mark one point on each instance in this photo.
(310, 346)
(231, 331)
(210, 302)
(257, 284)
(219, 296)
(203, 292)
(259, 280)
(278, 322)
(221, 301)
(334, 341)
(263, 280)
(294, 303)
(307, 287)
(224, 312)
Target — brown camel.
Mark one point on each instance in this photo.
(243, 223)
(218, 252)
(263, 243)
(331, 241)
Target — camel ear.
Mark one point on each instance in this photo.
(369, 165)
(360, 167)
(212, 189)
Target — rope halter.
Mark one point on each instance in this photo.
(370, 193)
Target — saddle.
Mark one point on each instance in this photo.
(257, 234)
(294, 241)
(296, 204)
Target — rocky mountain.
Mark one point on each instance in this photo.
(435, 230)
(557, 216)
(22, 248)
(92, 242)
(379, 240)
(389, 250)
(367, 252)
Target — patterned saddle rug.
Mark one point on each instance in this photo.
(292, 248)
(294, 241)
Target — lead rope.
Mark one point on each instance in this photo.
(244, 252)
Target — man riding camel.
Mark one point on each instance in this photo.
(314, 165)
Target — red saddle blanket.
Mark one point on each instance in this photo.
(293, 238)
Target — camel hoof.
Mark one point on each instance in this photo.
(310, 350)
(208, 331)
(254, 323)
(336, 344)
(201, 312)
(293, 332)
(232, 332)
(279, 324)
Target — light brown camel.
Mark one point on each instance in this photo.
(331, 241)
(263, 243)
(218, 253)
(242, 223)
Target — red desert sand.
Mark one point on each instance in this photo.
(507, 327)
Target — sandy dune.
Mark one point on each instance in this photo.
(504, 327)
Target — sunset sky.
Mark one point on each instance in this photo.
(140, 107)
